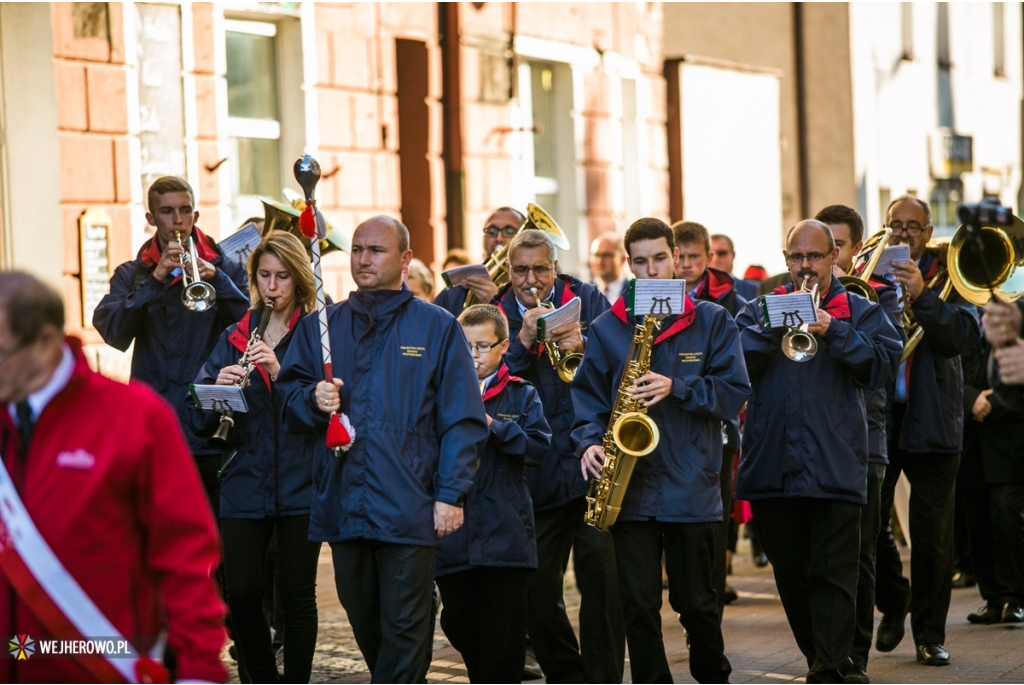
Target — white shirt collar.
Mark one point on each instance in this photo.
(490, 379)
(523, 308)
(58, 381)
(612, 290)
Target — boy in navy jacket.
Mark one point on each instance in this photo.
(482, 567)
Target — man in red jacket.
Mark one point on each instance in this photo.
(118, 548)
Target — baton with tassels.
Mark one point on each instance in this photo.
(340, 433)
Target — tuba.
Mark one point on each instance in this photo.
(870, 252)
(197, 295)
(631, 434)
(566, 365)
(497, 263)
(989, 263)
(278, 216)
(797, 344)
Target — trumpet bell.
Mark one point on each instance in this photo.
(799, 346)
(636, 434)
(199, 296)
(1000, 254)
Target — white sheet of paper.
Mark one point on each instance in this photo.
(219, 397)
(458, 275)
(566, 314)
(240, 244)
(788, 311)
(654, 297)
(893, 253)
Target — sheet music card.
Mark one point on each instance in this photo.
(656, 297)
(240, 244)
(893, 253)
(458, 275)
(566, 314)
(218, 397)
(788, 311)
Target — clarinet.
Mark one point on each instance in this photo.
(219, 440)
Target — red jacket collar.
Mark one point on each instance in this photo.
(205, 248)
(503, 379)
(716, 283)
(680, 323)
(239, 339)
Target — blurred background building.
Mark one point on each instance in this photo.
(745, 117)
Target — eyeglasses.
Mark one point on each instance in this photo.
(538, 271)
(912, 230)
(507, 231)
(812, 257)
(483, 348)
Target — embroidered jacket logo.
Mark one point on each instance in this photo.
(22, 647)
(78, 459)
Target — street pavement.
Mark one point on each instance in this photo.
(758, 641)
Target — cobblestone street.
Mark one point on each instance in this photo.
(757, 639)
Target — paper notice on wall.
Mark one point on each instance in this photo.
(568, 313)
(218, 397)
(893, 253)
(240, 244)
(458, 275)
(655, 297)
(788, 311)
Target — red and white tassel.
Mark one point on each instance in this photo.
(340, 433)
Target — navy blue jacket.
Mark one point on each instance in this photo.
(452, 299)
(700, 351)
(499, 529)
(806, 433)
(558, 480)
(412, 395)
(746, 289)
(879, 401)
(171, 342)
(272, 471)
(934, 417)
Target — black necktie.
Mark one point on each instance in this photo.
(26, 422)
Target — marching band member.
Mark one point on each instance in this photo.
(925, 444)
(722, 256)
(556, 487)
(697, 380)
(607, 259)
(1002, 324)
(482, 567)
(848, 231)
(403, 375)
(145, 306)
(499, 229)
(804, 461)
(114, 511)
(266, 480)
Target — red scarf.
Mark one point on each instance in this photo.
(239, 339)
(206, 248)
(717, 283)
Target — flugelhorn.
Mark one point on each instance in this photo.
(566, 365)
(798, 344)
(197, 295)
(870, 253)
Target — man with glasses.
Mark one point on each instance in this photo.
(925, 443)
(606, 261)
(723, 254)
(805, 448)
(499, 229)
(556, 486)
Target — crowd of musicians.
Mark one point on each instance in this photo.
(468, 479)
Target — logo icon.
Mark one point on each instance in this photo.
(22, 647)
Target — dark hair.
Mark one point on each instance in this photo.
(522, 217)
(482, 314)
(722, 236)
(910, 198)
(841, 214)
(815, 224)
(169, 184)
(458, 256)
(691, 232)
(647, 228)
(29, 305)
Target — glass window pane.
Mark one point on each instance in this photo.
(542, 81)
(252, 76)
(257, 166)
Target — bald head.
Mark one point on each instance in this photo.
(389, 224)
(811, 253)
(380, 253)
(812, 225)
(607, 257)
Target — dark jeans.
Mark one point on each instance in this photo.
(870, 524)
(386, 591)
(722, 532)
(814, 545)
(484, 617)
(599, 656)
(1008, 519)
(689, 561)
(932, 478)
(245, 552)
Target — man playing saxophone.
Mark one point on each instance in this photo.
(696, 380)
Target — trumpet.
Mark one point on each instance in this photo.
(910, 324)
(565, 365)
(219, 440)
(799, 345)
(871, 252)
(197, 294)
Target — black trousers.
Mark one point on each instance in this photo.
(484, 617)
(690, 550)
(386, 591)
(599, 656)
(932, 479)
(814, 547)
(245, 552)
(976, 504)
(870, 524)
(723, 530)
(1008, 520)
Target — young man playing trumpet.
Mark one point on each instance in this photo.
(697, 380)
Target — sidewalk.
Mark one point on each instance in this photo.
(757, 639)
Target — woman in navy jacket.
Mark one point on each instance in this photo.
(481, 568)
(267, 473)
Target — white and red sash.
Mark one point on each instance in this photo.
(55, 597)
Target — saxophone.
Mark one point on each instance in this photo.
(631, 434)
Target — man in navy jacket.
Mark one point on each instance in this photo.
(696, 381)
(928, 421)
(557, 489)
(144, 306)
(805, 449)
(405, 378)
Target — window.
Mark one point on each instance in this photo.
(542, 92)
(998, 39)
(548, 148)
(945, 197)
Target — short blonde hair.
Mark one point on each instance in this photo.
(293, 256)
(482, 314)
(418, 271)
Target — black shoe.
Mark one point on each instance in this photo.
(531, 669)
(761, 560)
(963, 579)
(987, 615)
(890, 631)
(730, 595)
(854, 672)
(1013, 613)
(932, 655)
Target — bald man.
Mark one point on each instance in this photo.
(405, 377)
(607, 259)
(805, 448)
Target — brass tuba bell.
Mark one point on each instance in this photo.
(1002, 249)
(278, 216)
(870, 252)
